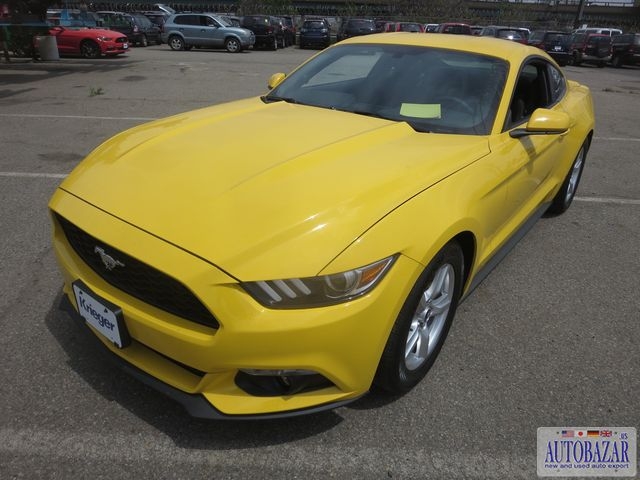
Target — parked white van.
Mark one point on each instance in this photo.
(602, 31)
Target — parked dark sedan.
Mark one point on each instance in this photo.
(136, 26)
(556, 44)
(315, 33)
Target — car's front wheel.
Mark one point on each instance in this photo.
(232, 45)
(176, 43)
(89, 49)
(144, 42)
(423, 323)
(567, 192)
(616, 61)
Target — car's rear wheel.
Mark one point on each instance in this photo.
(423, 323)
(577, 59)
(89, 49)
(567, 192)
(232, 45)
(274, 45)
(176, 43)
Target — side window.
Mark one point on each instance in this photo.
(557, 84)
(531, 92)
(187, 20)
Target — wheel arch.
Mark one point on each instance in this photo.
(467, 242)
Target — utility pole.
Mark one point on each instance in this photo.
(578, 21)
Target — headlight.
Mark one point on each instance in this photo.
(104, 39)
(321, 290)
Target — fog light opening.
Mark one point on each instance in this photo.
(275, 383)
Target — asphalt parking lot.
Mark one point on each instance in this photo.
(550, 338)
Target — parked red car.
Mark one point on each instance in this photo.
(404, 27)
(89, 42)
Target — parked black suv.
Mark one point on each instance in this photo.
(354, 27)
(625, 49)
(138, 28)
(315, 33)
(555, 43)
(591, 48)
(268, 30)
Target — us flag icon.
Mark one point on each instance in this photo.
(567, 433)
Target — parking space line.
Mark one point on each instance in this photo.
(617, 139)
(609, 200)
(75, 117)
(33, 175)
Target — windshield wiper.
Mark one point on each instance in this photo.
(274, 98)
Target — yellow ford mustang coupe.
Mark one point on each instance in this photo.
(281, 255)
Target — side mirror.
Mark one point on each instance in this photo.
(544, 122)
(275, 79)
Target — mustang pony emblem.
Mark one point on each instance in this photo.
(109, 262)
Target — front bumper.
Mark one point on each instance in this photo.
(198, 365)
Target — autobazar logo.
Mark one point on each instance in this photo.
(587, 452)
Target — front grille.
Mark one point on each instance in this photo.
(137, 278)
(121, 40)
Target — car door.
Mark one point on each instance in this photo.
(531, 159)
(65, 40)
(212, 32)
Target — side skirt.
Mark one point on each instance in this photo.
(504, 250)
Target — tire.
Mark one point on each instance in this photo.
(232, 45)
(274, 46)
(89, 49)
(176, 43)
(144, 42)
(576, 59)
(562, 201)
(423, 323)
(616, 61)
(601, 64)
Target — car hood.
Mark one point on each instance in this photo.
(265, 190)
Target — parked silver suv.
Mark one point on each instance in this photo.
(182, 31)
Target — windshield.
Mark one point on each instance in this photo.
(432, 90)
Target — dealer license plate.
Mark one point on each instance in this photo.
(102, 315)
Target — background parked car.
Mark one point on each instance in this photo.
(315, 33)
(404, 27)
(519, 35)
(268, 30)
(136, 26)
(593, 48)
(89, 42)
(290, 30)
(158, 18)
(625, 49)
(455, 28)
(556, 44)
(603, 31)
(354, 27)
(183, 31)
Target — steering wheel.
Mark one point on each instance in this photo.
(463, 106)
